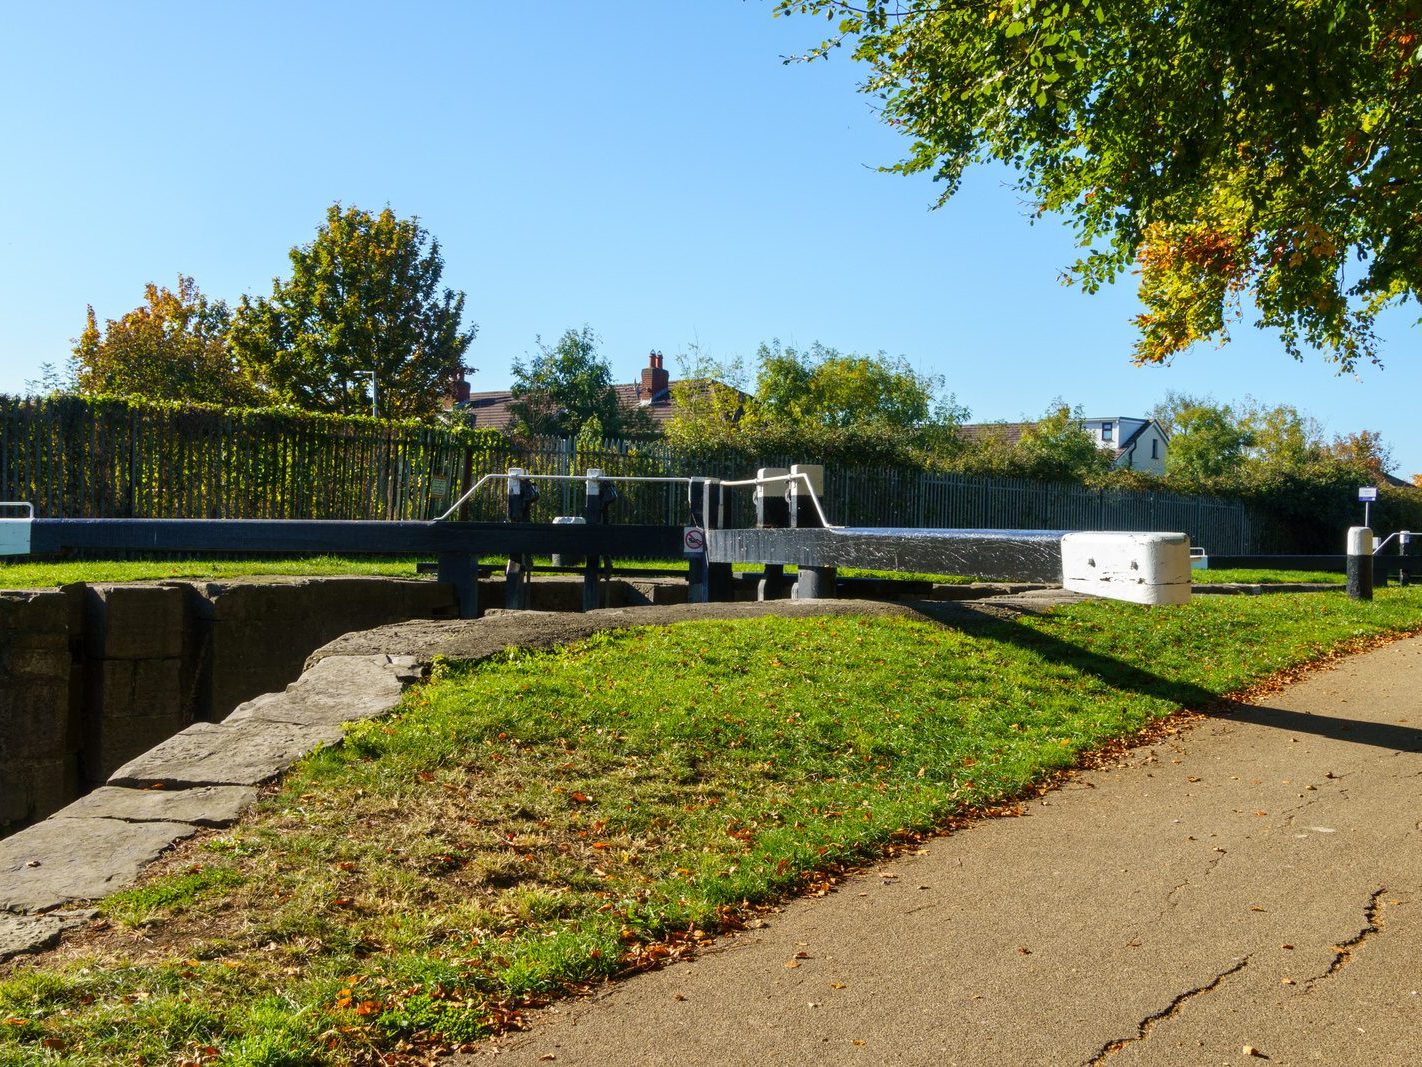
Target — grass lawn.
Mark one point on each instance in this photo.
(1207, 576)
(526, 825)
(28, 575)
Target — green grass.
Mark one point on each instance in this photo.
(531, 823)
(48, 575)
(1207, 576)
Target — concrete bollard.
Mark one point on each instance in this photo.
(1360, 563)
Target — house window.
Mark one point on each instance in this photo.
(1105, 431)
(1155, 448)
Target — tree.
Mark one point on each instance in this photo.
(1209, 442)
(1263, 153)
(824, 386)
(564, 386)
(1057, 447)
(173, 347)
(1281, 435)
(1365, 451)
(363, 296)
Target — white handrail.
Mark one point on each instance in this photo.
(800, 476)
(771, 479)
(563, 478)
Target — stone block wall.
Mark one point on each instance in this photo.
(92, 676)
(39, 703)
(138, 684)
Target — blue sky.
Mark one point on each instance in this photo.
(649, 168)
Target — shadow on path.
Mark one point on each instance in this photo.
(1122, 675)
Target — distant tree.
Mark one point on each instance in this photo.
(1057, 447)
(363, 296)
(1260, 154)
(51, 381)
(1281, 435)
(173, 347)
(561, 388)
(822, 385)
(708, 396)
(1209, 443)
(1364, 450)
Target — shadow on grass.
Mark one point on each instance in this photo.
(1121, 675)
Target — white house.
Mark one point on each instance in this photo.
(1137, 444)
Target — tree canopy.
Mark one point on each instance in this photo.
(363, 296)
(822, 385)
(564, 386)
(173, 347)
(1264, 154)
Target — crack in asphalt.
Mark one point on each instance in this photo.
(1343, 951)
(1150, 1022)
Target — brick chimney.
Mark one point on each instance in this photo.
(456, 391)
(655, 379)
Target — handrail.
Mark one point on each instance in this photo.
(1386, 540)
(799, 476)
(563, 478)
(770, 479)
(29, 509)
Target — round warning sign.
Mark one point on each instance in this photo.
(693, 540)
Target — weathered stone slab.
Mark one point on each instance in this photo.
(26, 933)
(337, 690)
(60, 860)
(244, 753)
(204, 805)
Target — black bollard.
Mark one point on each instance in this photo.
(522, 495)
(772, 512)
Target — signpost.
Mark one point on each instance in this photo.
(1366, 495)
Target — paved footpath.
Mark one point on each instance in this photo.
(1249, 891)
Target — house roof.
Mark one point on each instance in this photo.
(1008, 433)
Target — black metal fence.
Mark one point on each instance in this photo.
(77, 458)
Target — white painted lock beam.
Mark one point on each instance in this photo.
(15, 530)
(1142, 568)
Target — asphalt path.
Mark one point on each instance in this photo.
(1247, 890)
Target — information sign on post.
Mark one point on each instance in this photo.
(1366, 495)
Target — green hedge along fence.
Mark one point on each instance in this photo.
(91, 457)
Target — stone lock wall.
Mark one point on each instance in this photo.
(40, 703)
(92, 676)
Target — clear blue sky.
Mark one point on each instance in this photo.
(647, 167)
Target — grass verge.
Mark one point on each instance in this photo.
(526, 825)
(1207, 576)
(27, 575)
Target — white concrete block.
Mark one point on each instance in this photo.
(1142, 568)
